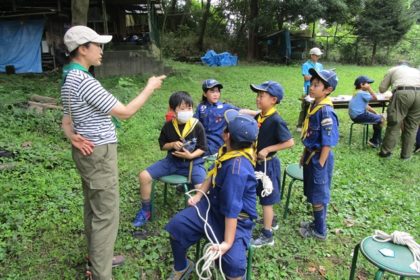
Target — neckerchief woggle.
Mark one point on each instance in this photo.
(248, 153)
(261, 118)
(189, 126)
(324, 102)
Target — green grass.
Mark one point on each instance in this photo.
(41, 227)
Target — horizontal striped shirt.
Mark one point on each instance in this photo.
(88, 104)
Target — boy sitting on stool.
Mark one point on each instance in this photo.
(231, 188)
(361, 112)
(185, 140)
(319, 135)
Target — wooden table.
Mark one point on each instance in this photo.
(342, 102)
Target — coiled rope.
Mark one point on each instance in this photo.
(204, 272)
(401, 238)
(266, 181)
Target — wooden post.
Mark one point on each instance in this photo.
(105, 18)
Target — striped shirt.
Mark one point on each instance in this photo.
(88, 104)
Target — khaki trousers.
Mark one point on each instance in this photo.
(99, 174)
(404, 108)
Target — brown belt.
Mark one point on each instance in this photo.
(311, 155)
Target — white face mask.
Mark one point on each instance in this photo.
(184, 116)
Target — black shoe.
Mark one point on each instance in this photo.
(384, 155)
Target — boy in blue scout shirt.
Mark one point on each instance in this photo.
(273, 136)
(311, 63)
(361, 112)
(185, 140)
(319, 135)
(210, 112)
(231, 188)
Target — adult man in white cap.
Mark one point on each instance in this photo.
(86, 122)
(315, 54)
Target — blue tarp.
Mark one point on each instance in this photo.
(20, 45)
(211, 58)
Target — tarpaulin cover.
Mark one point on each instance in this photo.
(211, 58)
(20, 45)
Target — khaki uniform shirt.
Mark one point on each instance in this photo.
(402, 75)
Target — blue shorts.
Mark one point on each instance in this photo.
(368, 117)
(170, 166)
(317, 179)
(273, 171)
(187, 228)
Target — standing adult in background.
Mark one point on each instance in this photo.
(315, 54)
(88, 108)
(404, 108)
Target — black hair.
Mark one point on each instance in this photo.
(359, 86)
(235, 145)
(203, 98)
(326, 84)
(178, 97)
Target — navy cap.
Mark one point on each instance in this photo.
(362, 80)
(328, 76)
(242, 128)
(211, 83)
(272, 87)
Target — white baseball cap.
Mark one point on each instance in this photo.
(315, 51)
(79, 35)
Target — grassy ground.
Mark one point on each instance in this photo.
(41, 228)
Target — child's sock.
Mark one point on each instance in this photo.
(325, 217)
(267, 233)
(319, 218)
(179, 253)
(145, 205)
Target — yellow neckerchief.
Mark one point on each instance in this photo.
(224, 156)
(188, 128)
(261, 118)
(326, 101)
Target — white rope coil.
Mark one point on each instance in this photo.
(266, 181)
(204, 273)
(401, 238)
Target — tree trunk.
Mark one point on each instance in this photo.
(172, 19)
(79, 12)
(313, 29)
(206, 14)
(187, 11)
(372, 60)
(252, 34)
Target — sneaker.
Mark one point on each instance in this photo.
(307, 224)
(307, 232)
(372, 144)
(274, 224)
(384, 155)
(183, 274)
(141, 218)
(405, 158)
(262, 240)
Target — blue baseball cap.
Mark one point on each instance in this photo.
(272, 87)
(328, 76)
(362, 80)
(242, 128)
(211, 83)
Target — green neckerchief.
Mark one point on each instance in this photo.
(72, 66)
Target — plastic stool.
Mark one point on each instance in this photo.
(172, 180)
(295, 172)
(199, 252)
(365, 136)
(398, 265)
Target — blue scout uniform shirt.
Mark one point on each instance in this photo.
(213, 120)
(235, 189)
(322, 130)
(272, 131)
(358, 103)
(305, 71)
